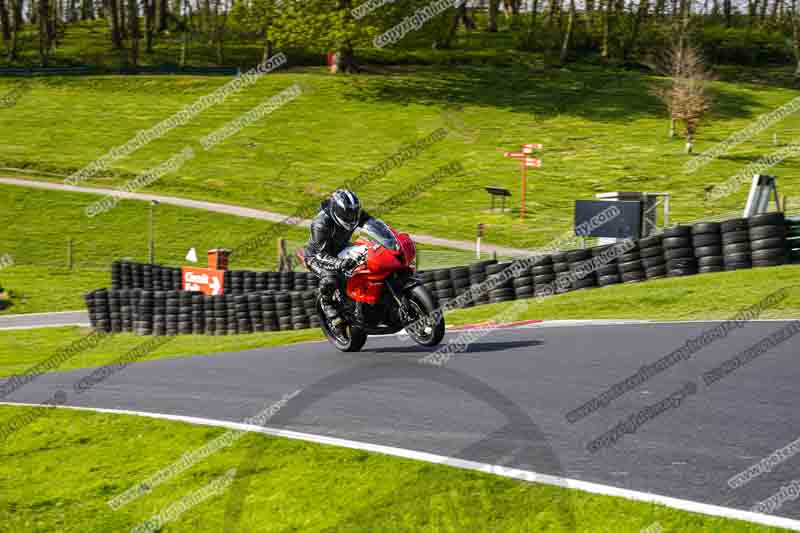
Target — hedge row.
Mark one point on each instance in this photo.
(145, 298)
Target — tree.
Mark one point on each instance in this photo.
(5, 22)
(687, 98)
(134, 34)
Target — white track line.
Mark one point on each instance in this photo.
(523, 475)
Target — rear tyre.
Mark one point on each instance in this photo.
(422, 304)
(352, 338)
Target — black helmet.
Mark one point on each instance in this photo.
(345, 208)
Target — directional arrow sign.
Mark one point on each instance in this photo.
(205, 280)
(518, 155)
(531, 162)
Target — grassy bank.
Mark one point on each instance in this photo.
(602, 130)
(292, 486)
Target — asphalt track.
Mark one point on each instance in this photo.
(688, 452)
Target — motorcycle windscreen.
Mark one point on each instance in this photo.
(377, 231)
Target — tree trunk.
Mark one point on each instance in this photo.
(163, 12)
(604, 52)
(630, 45)
(16, 19)
(5, 22)
(113, 23)
(149, 24)
(123, 18)
(568, 33)
(494, 9)
(461, 12)
(796, 38)
(728, 8)
(530, 39)
(44, 31)
(133, 35)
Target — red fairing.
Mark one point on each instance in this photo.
(407, 247)
(366, 284)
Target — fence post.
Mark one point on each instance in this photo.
(70, 261)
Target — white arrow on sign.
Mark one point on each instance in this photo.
(214, 285)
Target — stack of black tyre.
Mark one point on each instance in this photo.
(184, 312)
(630, 266)
(736, 244)
(143, 309)
(299, 314)
(283, 310)
(583, 276)
(793, 239)
(443, 286)
(543, 275)
(562, 273)
(236, 279)
(768, 239)
(460, 278)
(477, 275)
(523, 284)
(269, 316)
(503, 291)
(708, 247)
(679, 251)
(197, 313)
(651, 254)
(428, 280)
(608, 273)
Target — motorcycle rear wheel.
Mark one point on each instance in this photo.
(423, 303)
(352, 340)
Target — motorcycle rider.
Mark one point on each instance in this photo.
(331, 230)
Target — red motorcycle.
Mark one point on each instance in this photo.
(382, 295)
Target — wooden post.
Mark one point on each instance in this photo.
(522, 195)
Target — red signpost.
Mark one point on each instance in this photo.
(526, 162)
(206, 280)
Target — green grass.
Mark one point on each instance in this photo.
(670, 299)
(38, 225)
(72, 463)
(21, 349)
(602, 130)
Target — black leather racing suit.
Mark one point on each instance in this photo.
(327, 239)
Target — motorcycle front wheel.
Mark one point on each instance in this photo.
(352, 339)
(422, 304)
